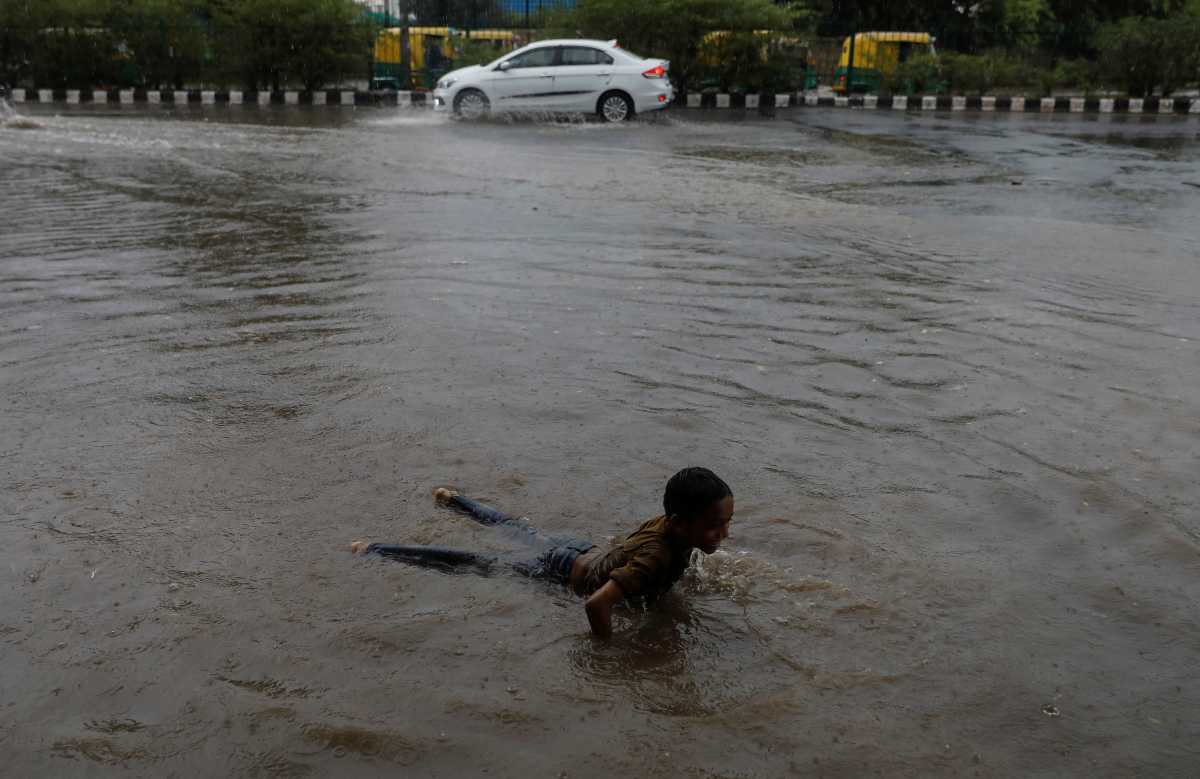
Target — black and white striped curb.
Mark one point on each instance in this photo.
(349, 97)
(1072, 105)
(345, 97)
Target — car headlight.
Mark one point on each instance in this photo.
(446, 83)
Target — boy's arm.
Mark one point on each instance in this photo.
(599, 608)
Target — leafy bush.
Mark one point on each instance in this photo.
(978, 74)
(751, 62)
(922, 73)
(1076, 74)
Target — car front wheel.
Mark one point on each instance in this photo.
(615, 107)
(471, 104)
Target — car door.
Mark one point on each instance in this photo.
(583, 73)
(524, 81)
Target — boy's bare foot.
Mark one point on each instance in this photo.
(358, 547)
(443, 495)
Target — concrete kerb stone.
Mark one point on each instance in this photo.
(958, 104)
(1077, 104)
(73, 96)
(208, 97)
(987, 104)
(900, 103)
(783, 101)
(154, 96)
(319, 97)
(929, 103)
(1135, 105)
(347, 98)
(722, 101)
(1166, 105)
(291, 97)
(751, 101)
(45, 96)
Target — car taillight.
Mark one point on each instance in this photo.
(658, 71)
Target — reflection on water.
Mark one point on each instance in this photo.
(948, 367)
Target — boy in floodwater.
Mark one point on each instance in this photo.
(697, 509)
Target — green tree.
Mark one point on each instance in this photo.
(21, 27)
(328, 37)
(270, 42)
(1143, 54)
(74, 47)
(1023, 23)
(163, 40)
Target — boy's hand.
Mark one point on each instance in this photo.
(599, 608)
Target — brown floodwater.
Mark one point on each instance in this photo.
(948, 365)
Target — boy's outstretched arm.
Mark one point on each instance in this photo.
(599, 608)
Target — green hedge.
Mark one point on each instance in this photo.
(991, 73)
(1137, 55)
(257, 44)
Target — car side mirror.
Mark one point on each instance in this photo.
(504, 65)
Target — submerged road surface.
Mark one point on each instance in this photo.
(948, 364)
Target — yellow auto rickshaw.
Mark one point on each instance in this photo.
(876, 57)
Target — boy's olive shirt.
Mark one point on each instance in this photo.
(645, 565)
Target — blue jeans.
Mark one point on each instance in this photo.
(553, 562)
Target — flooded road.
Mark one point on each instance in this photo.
(947, 364)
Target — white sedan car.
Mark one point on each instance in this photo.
(567, 76)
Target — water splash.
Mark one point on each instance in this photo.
(408, 117)
(10, 119)
(741, 573)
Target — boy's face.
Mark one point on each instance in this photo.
(708, 529)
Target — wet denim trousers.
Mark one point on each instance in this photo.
(553, 562)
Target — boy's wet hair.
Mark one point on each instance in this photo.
(693, 490)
